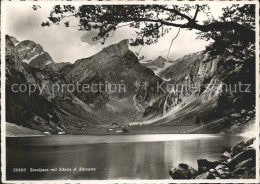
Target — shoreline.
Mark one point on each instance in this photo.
(239, 163)
(13, 130)
(131, 134)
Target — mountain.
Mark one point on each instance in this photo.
(158, 62)
(193, 66)
(183, 73)
(117, 65)
(32, 53)
(56, 66)
(157, 65)
(198, 94)
(176, 97)
(42, 110)
(54, 111)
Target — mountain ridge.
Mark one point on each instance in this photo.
(80, 113)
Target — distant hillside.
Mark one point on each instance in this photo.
(158, 64)
(182, 108)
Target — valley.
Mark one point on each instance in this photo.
(138, 109)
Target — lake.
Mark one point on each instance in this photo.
(110, 156)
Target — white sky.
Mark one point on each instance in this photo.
(69, 44)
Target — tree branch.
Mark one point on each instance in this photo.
(176, 12)
(172, 42)
(196, 13)
(245, 32)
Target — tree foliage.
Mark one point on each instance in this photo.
(232, 35)
(154, 21)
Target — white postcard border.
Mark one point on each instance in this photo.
(93, 2)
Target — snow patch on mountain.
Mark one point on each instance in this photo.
(29, 60)
(34, 57)
(157, 70)
(157, 65)
(48, 62)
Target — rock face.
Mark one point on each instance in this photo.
(117, 65)
(99, 64)
(32, 53)
(56, 66)
(27, 63)
(194, 87)
(193, 69)
(141, 93)
(191, 91)
(240, 166)
(11, 55)
(40, 110)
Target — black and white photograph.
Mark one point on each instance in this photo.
(127, 91)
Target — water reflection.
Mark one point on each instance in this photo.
(125, 157)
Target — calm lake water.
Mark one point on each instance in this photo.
(111, 157)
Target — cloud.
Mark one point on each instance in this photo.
(88, 37)
(70, 44)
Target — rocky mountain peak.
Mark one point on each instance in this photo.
(116, 65)
(160, 61)
(161, 58)
(124, 45)
(31, 53)
(155, 64)
(11, 54)
(119, 49)
(13, 40)
(100, 63)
